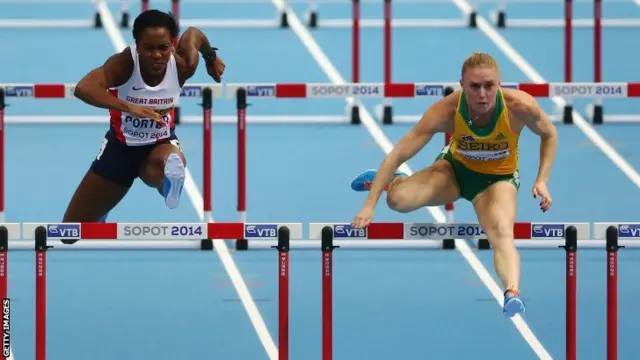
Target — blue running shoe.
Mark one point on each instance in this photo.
(173, 181)
(512, 304)
(363, 181)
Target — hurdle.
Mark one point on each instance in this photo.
(568, 236)
(315, 21)
(47, 237)
(280, 21)
(500, 19)
(388, 22)
(96, 22)
(595, 110)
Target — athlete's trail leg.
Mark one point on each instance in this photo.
(496, 211)
(164, 170)
(93, 199)
(434, 186)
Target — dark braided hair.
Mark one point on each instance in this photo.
(154, 18)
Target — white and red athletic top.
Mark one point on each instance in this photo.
(164, 98)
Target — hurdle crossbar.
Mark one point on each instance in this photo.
(281, 20)
(378, 235)
(144, 236)
(96, 22)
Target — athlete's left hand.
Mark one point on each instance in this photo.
(540, 189)
(216, 69)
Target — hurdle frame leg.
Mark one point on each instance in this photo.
(283, 248)
(41, 292)
(612, 248)
(3, 106)
(327, 247)
(4, 293)
(241, 107)
(571, 248)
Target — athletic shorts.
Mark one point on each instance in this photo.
(472, 183)
(120, 163)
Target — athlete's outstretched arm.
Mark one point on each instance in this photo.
(194, 42)
(92, 88)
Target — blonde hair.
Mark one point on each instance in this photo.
(478, 59)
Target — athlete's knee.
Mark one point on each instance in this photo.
(500, 234)
(152, 170)
(400, 198)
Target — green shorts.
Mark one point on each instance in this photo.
(473, 183)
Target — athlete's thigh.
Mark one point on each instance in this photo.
(104, 185)
(94, 197)
(434, 185)
(495, 209)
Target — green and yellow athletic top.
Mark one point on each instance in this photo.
(489, 150)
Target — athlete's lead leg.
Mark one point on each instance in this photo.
(165, 170)
(436, 185)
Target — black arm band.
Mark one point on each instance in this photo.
(210, 57)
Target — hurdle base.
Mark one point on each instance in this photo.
(501, 19)
(206, 244)
(448, 244)
(483, 244)
(473, 20)
(567, 114)
(312, 22)
(124, 21)
(387, 115)
(355, 115)
(598, 114)
(242, 244)
(284, 20)
(97, 21)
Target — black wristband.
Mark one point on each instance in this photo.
(210, 57)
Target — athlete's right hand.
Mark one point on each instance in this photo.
(144, 113)
(364, 217)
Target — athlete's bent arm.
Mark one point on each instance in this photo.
(538, 122)
(194, 42)
(434, 120)
(93, 87)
